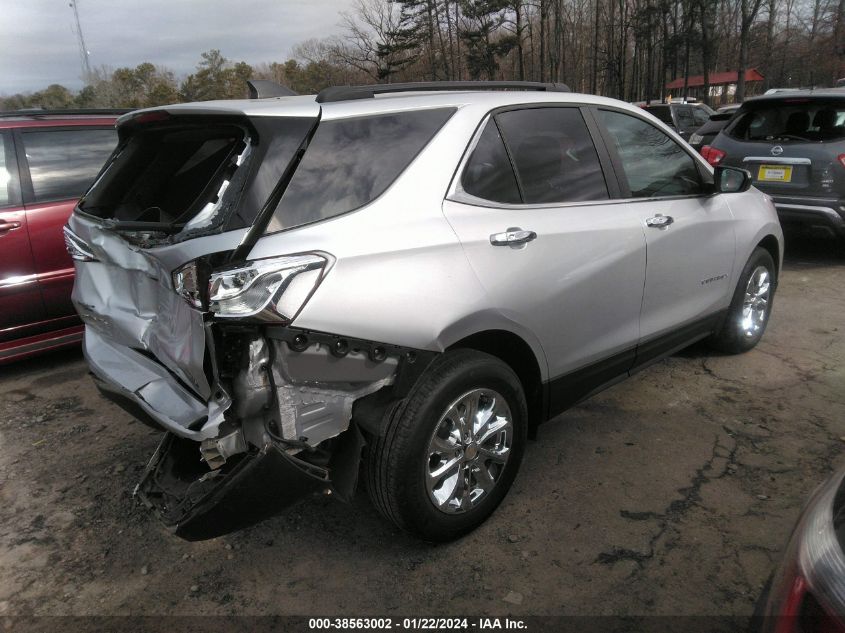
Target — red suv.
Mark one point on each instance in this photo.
(47, 161)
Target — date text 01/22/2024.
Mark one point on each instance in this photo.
(421, 624)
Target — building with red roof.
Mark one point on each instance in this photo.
(722, 85)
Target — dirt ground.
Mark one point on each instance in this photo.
(670, 493)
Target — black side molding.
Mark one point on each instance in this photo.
(264, 89)
(565, 391)
(348, 93)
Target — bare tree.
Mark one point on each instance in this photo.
(748, 10)
(371, 39)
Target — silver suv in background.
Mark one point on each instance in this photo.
(416, 275)
(793, 144)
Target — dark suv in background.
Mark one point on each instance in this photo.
(710, 130)
(793, 144)
(684, 118)
(47, 161)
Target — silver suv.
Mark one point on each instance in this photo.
(408, 278)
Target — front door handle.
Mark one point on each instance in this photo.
(5, 227)
(659, 221)
(514, 236)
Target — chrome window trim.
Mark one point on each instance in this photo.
(456, 192)
(466, 198)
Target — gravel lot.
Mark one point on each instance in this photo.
(671, 493)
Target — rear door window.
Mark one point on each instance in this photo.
(64, 163)
(554, 155)
(488, 173)
(686, 121)
(654, 164)
(662, 112)
(351, 162)
(700, 115)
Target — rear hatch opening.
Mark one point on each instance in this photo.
(176, 177)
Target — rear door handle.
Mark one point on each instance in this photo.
(514, 236)
(659, 221)
(5, 227)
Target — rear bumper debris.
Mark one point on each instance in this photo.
(287, 419)
(199, 503)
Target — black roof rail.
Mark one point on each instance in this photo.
(36, 112)
(264, 88)
(347, 93)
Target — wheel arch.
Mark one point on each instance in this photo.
(771, 244)
(515, 352)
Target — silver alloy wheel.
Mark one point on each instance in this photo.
(755, 305)
(468, 450)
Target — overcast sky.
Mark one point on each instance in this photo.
(38, 43)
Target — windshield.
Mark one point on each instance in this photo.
(792, 119)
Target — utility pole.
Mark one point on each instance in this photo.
(83, 50)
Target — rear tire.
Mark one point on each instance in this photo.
(750, 307)
(433, 474)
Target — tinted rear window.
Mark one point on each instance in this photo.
(661, 112)
(488, 173)
(791, 120)
(554, 155)
(63, 163)
(351, 162)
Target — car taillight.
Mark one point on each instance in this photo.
(712, 155)
(151, 117)
(76, 248)
(841, 159)
(800, 612)
(790, 609)
(273, 289)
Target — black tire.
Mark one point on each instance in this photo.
(732, 339)
(396, 463)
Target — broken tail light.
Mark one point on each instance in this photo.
(273, 289)
(76, 248)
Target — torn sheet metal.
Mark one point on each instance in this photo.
(131, 375)
(128, 296)
(312, 410)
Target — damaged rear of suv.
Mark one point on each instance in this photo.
(255, 410)
(287, 285)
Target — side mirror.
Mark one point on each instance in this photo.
(731, 180)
